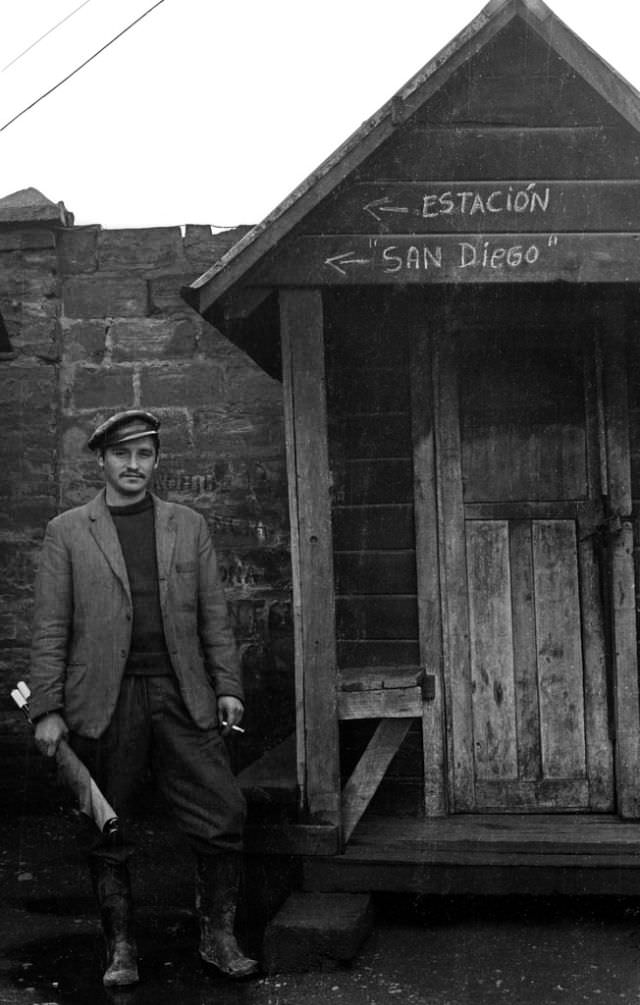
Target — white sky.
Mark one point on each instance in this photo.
(212, 111)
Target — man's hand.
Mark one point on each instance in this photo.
(50, 729)
(230, 712)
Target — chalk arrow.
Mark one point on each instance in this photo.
(337, 261)
(383, 206)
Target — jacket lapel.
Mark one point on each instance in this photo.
(165, 524)
(105, 534)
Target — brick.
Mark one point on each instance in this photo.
(311, 929)
(100, 387)
(146, 249)
(100, 296)
(77, 250)
(187, 386)
(151, 338)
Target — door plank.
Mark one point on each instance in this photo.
(491, 643)
(370, 770)
(625, 658)
(559, 649)
(524, 652)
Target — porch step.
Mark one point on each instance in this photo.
(493, 854)
(312, 930)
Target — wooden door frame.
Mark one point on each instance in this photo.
(617, 491)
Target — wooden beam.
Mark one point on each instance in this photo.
(301, 322)
(464, 258)
(392, 703)
(370, 770)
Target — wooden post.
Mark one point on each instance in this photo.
(301, 327)
(623, 614)
(427, 568)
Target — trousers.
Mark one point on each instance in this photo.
(151, 732)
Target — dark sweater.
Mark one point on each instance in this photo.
(136, 529)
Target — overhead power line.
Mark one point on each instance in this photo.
(49, 32)
(81, 67)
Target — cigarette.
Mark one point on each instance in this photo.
(236, 729)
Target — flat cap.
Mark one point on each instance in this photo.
(123, 426)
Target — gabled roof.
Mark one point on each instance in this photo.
(588, 65)
(31, 206)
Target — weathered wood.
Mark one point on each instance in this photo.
(497, 258)
(377, 617)
(372, 481)
(374, 678)
(625, 658)
(498, 206)
(513, 795)
(491, 644)
(558, 631)
(384, 572)
(370, 770)
(374, 436)
(377, 653)
(302, 341)
(272, 778)
(524, 652)
(427, 567)
(453, 578)
(390, 703)
(458, 153)
(373, 527)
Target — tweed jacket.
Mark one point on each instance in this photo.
(83, 616)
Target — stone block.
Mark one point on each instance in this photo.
(164, 292)
(100, 296)
(27, 237)
(144, 249)
(77, 250)
(315, 929)
(101, 387)
(84, 340)
(152, 338)
(181, 386)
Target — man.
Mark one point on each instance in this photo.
(134, 661)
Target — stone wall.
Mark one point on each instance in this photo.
(96, 324)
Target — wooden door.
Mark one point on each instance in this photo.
(520, 465)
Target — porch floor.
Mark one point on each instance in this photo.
(486, 854)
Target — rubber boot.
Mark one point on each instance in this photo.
(217, 884)
(112, 888)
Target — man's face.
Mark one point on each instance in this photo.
(128, 468)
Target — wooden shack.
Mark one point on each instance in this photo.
(451, 302)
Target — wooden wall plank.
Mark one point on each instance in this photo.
(462, 152)
(378, 653)
(453, 578)
(625, 657)
(377, 617)
(491, 645)
(370, 771)
(370, 572)
(301, 322)
(524, 652)
(498, 258)
(358, 482)
(373, 527)
(501, 205)
(558, 631)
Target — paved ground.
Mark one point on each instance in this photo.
(426, 952)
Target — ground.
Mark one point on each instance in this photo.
(422, 951)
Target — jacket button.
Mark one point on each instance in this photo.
(123, 653)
